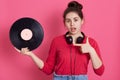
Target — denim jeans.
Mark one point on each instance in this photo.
(70, 77)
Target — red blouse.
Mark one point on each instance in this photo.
(66, 59)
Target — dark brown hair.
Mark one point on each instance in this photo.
(74, 6)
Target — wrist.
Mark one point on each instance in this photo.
(30, 54)
(91, 51)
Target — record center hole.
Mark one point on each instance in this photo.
(26, 34)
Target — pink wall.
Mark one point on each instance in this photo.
(101, 22)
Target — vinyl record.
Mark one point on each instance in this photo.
(26, 32)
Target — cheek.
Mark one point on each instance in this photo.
(79, 25)
(67, 25)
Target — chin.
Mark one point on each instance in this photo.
(73, 33)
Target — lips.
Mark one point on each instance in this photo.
(73, 29)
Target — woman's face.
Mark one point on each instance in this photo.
(73, 22)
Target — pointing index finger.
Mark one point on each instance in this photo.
(75, 44)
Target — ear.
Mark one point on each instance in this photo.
(82, 21)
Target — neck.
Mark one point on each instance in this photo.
(76, 35)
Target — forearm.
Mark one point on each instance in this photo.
(37, 60)
(96, 61)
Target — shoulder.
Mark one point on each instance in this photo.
(58, 39)
(92, 42)
(90, 39)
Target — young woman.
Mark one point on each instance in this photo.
(70, 53)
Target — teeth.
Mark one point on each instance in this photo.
(73, 29)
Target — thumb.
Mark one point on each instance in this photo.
(87, 40)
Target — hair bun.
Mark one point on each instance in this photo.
(75, 4)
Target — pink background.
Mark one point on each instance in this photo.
(102, 22)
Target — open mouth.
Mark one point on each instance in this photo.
(73, 29)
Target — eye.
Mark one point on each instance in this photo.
(75, 20)
(67, 20)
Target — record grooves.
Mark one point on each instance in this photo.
(26, 32)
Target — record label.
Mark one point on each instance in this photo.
(26, 34)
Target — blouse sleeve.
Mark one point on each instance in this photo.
(50, 62)
(100, 70)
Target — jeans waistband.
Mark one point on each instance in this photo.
(70, 77)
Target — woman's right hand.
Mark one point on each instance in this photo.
(24, 51)
(37, 60)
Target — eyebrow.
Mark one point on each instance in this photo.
(73, 18)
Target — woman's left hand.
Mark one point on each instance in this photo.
(84, 47)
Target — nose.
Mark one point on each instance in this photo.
(72, 23)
